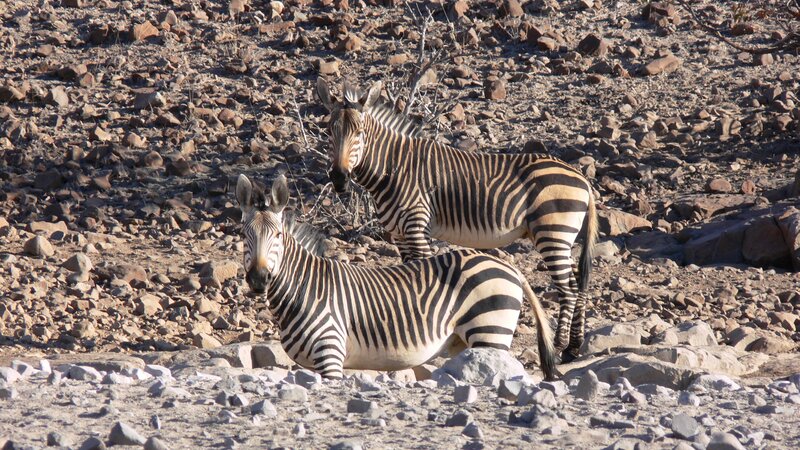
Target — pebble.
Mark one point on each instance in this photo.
(265, 408)
(688, 398)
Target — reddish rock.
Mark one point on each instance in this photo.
(494, 89)
(511, 8)
(144, 31)
(666, 64)
(764, 245)
(593, 45)
(748, 187)
(613, 222)
(719, 185)
(789, 224)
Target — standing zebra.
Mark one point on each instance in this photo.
(423, 189)
(334, 315)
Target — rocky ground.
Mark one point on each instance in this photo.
(124, 124)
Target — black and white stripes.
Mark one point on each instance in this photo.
(334, 315)
(424, 189)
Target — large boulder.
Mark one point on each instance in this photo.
(623, 335)
(789, 223)
(763, 244)
(484, 366)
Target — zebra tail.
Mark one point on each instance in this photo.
(547, 353)
(589, 239)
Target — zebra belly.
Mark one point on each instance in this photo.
(475, 238)
(361, 358)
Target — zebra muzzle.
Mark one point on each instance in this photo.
(257, 279)
(340, 179)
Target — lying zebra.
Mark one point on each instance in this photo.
(425, 189)
(334, 315)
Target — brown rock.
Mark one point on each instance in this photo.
(398, 59)
(167, 120)
(39, 247)
(147, 305)
(10, 93)
(494, 89)
(133, 140)
(130, 273)
(207, 341)
(663, 9)
(666, 64)
(48, 227)
(72, 3)
(99, 134)
(546, 43)
(72, 72)
(786, 320)
(764, 59)
(144, 31)
(613, 222)
(720, 185)
(511, 8)
(593, 45)
(459, 8)
(328, 67)
(78, 262)
(152, 160)
(86, 80)
(57, 97)
(764, 245)
(351, 43)
(219, 270)
(748, 187)
(789, 224)
(148, 99)
(743, 28)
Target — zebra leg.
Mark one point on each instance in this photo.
(577, 330)
(328, 357)
(558, 258)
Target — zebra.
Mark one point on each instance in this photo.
(334, 315)
(425, 189)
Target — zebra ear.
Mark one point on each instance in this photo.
(351, 95)
(372, 96)
(280, 194)
(324, 93)
(244, 192)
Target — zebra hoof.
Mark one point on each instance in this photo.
(567, 356)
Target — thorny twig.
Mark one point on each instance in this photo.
(791, 40)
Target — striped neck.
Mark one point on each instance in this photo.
(382, 153)
(295, 278)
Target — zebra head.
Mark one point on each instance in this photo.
(346, 127)
(262, 227)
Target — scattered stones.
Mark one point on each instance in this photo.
(494, 90)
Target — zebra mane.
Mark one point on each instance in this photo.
(383, 113)
(305, 234)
